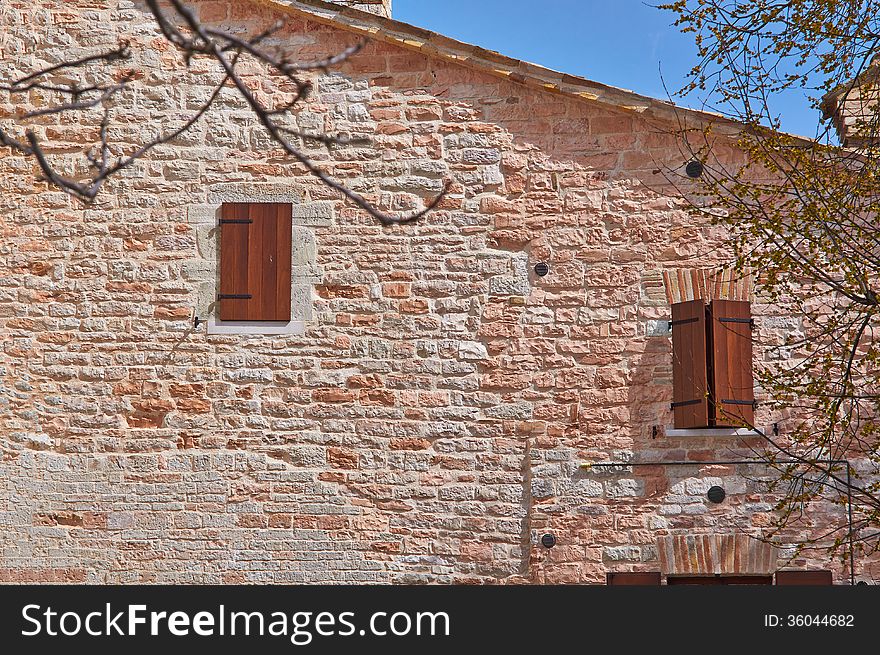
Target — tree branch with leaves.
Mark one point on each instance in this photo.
(804, 213)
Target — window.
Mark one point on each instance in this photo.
(255, 262)
(720, 580)
(712, 377)
(633, 579)
(792, 578)
(783, 578)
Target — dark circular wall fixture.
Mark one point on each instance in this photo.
(542, 268)
(716, 494)
(694, 168)
(548, 540)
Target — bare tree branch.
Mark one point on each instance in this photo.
(180, 26)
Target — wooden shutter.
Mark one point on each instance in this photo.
(633, 579)
(255, 252)
(791, 578)
(733, 392)
(693, 580)
(720, 580)
(690, 401)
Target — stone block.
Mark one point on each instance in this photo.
(253, 191)
(314, 214)
(207, 241)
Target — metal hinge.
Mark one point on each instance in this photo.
(750, 321)
(234, 296)
(685, 402)
(235, 220)
(683, 321)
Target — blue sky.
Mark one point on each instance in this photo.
(623, 43)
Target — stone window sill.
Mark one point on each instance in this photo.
(255, 327)
(713, 432)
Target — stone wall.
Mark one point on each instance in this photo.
(430, 421)
(854, 108)
(857, 112)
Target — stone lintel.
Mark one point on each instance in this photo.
(716, 554)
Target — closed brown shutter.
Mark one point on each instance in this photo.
(633, 579)
(791, 578)
(255, 252)
(731, 364)
(690, 401)
(714, 580)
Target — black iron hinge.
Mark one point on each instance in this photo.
(753, 403)
(234, 296)
(750, 321)
(686, 402)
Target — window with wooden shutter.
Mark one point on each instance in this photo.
(690, 396)
(255, 260)
(633, 579)
(720, 580)
(732, 386)
(713, 384)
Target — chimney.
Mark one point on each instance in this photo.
(379, 7)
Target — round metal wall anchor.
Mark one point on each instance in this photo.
(716, 494)
(542, 268)
(548, 540)
(694, 168)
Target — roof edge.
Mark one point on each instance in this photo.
(829, 103)
(445, 48)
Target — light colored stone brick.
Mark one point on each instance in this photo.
(314, 214)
